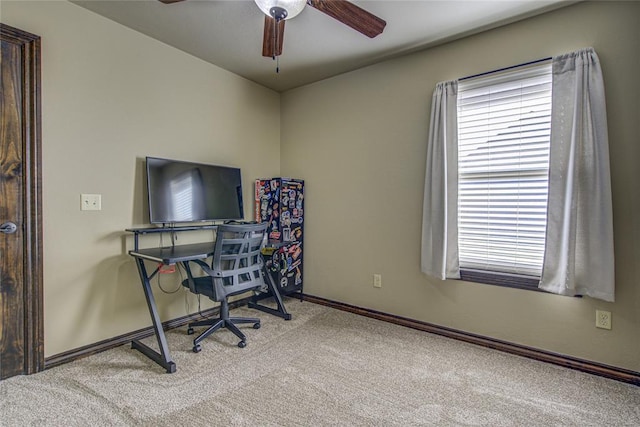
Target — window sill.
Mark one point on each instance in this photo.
(501, 279)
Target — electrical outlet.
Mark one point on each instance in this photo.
(377, 280)
(90, 202)
(603, 319)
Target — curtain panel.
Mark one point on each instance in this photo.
(440, 206)
(579, 257)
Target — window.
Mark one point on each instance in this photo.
(506, 198)
(504, 122)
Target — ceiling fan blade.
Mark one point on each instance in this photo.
(273, 37)
(170, 1)
(351, 15)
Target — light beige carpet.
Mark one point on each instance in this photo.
(323, 368)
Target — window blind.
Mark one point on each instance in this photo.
(503, 167)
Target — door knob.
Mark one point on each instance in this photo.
(8, 228)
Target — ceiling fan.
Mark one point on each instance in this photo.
(277, 11)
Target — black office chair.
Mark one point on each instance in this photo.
(236, 267)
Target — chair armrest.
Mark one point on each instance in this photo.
(190, 279)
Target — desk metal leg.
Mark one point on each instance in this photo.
(281, 311)
(163, 358)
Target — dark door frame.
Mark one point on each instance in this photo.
(32, 195)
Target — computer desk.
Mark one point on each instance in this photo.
(163, 256)
(178, 254)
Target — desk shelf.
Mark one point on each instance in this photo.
(152, 230)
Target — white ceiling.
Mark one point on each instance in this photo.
(228, 33)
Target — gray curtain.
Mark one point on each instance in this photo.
(579, 256)
(440, 207)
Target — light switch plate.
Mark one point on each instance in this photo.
(90, 202)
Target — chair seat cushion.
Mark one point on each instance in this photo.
(203, 285)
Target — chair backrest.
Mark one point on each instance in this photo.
(237, 262)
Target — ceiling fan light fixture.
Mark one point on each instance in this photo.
(281, 9)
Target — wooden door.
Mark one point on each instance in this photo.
(21, 331)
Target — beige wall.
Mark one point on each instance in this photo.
(110, 97)
(359, 141)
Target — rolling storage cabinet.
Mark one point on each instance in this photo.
(280, 202)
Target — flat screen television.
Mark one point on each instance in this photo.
(182, 192)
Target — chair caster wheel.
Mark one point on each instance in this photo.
(190, 331)
(256, 326)
(242, 344)
(197, 348)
